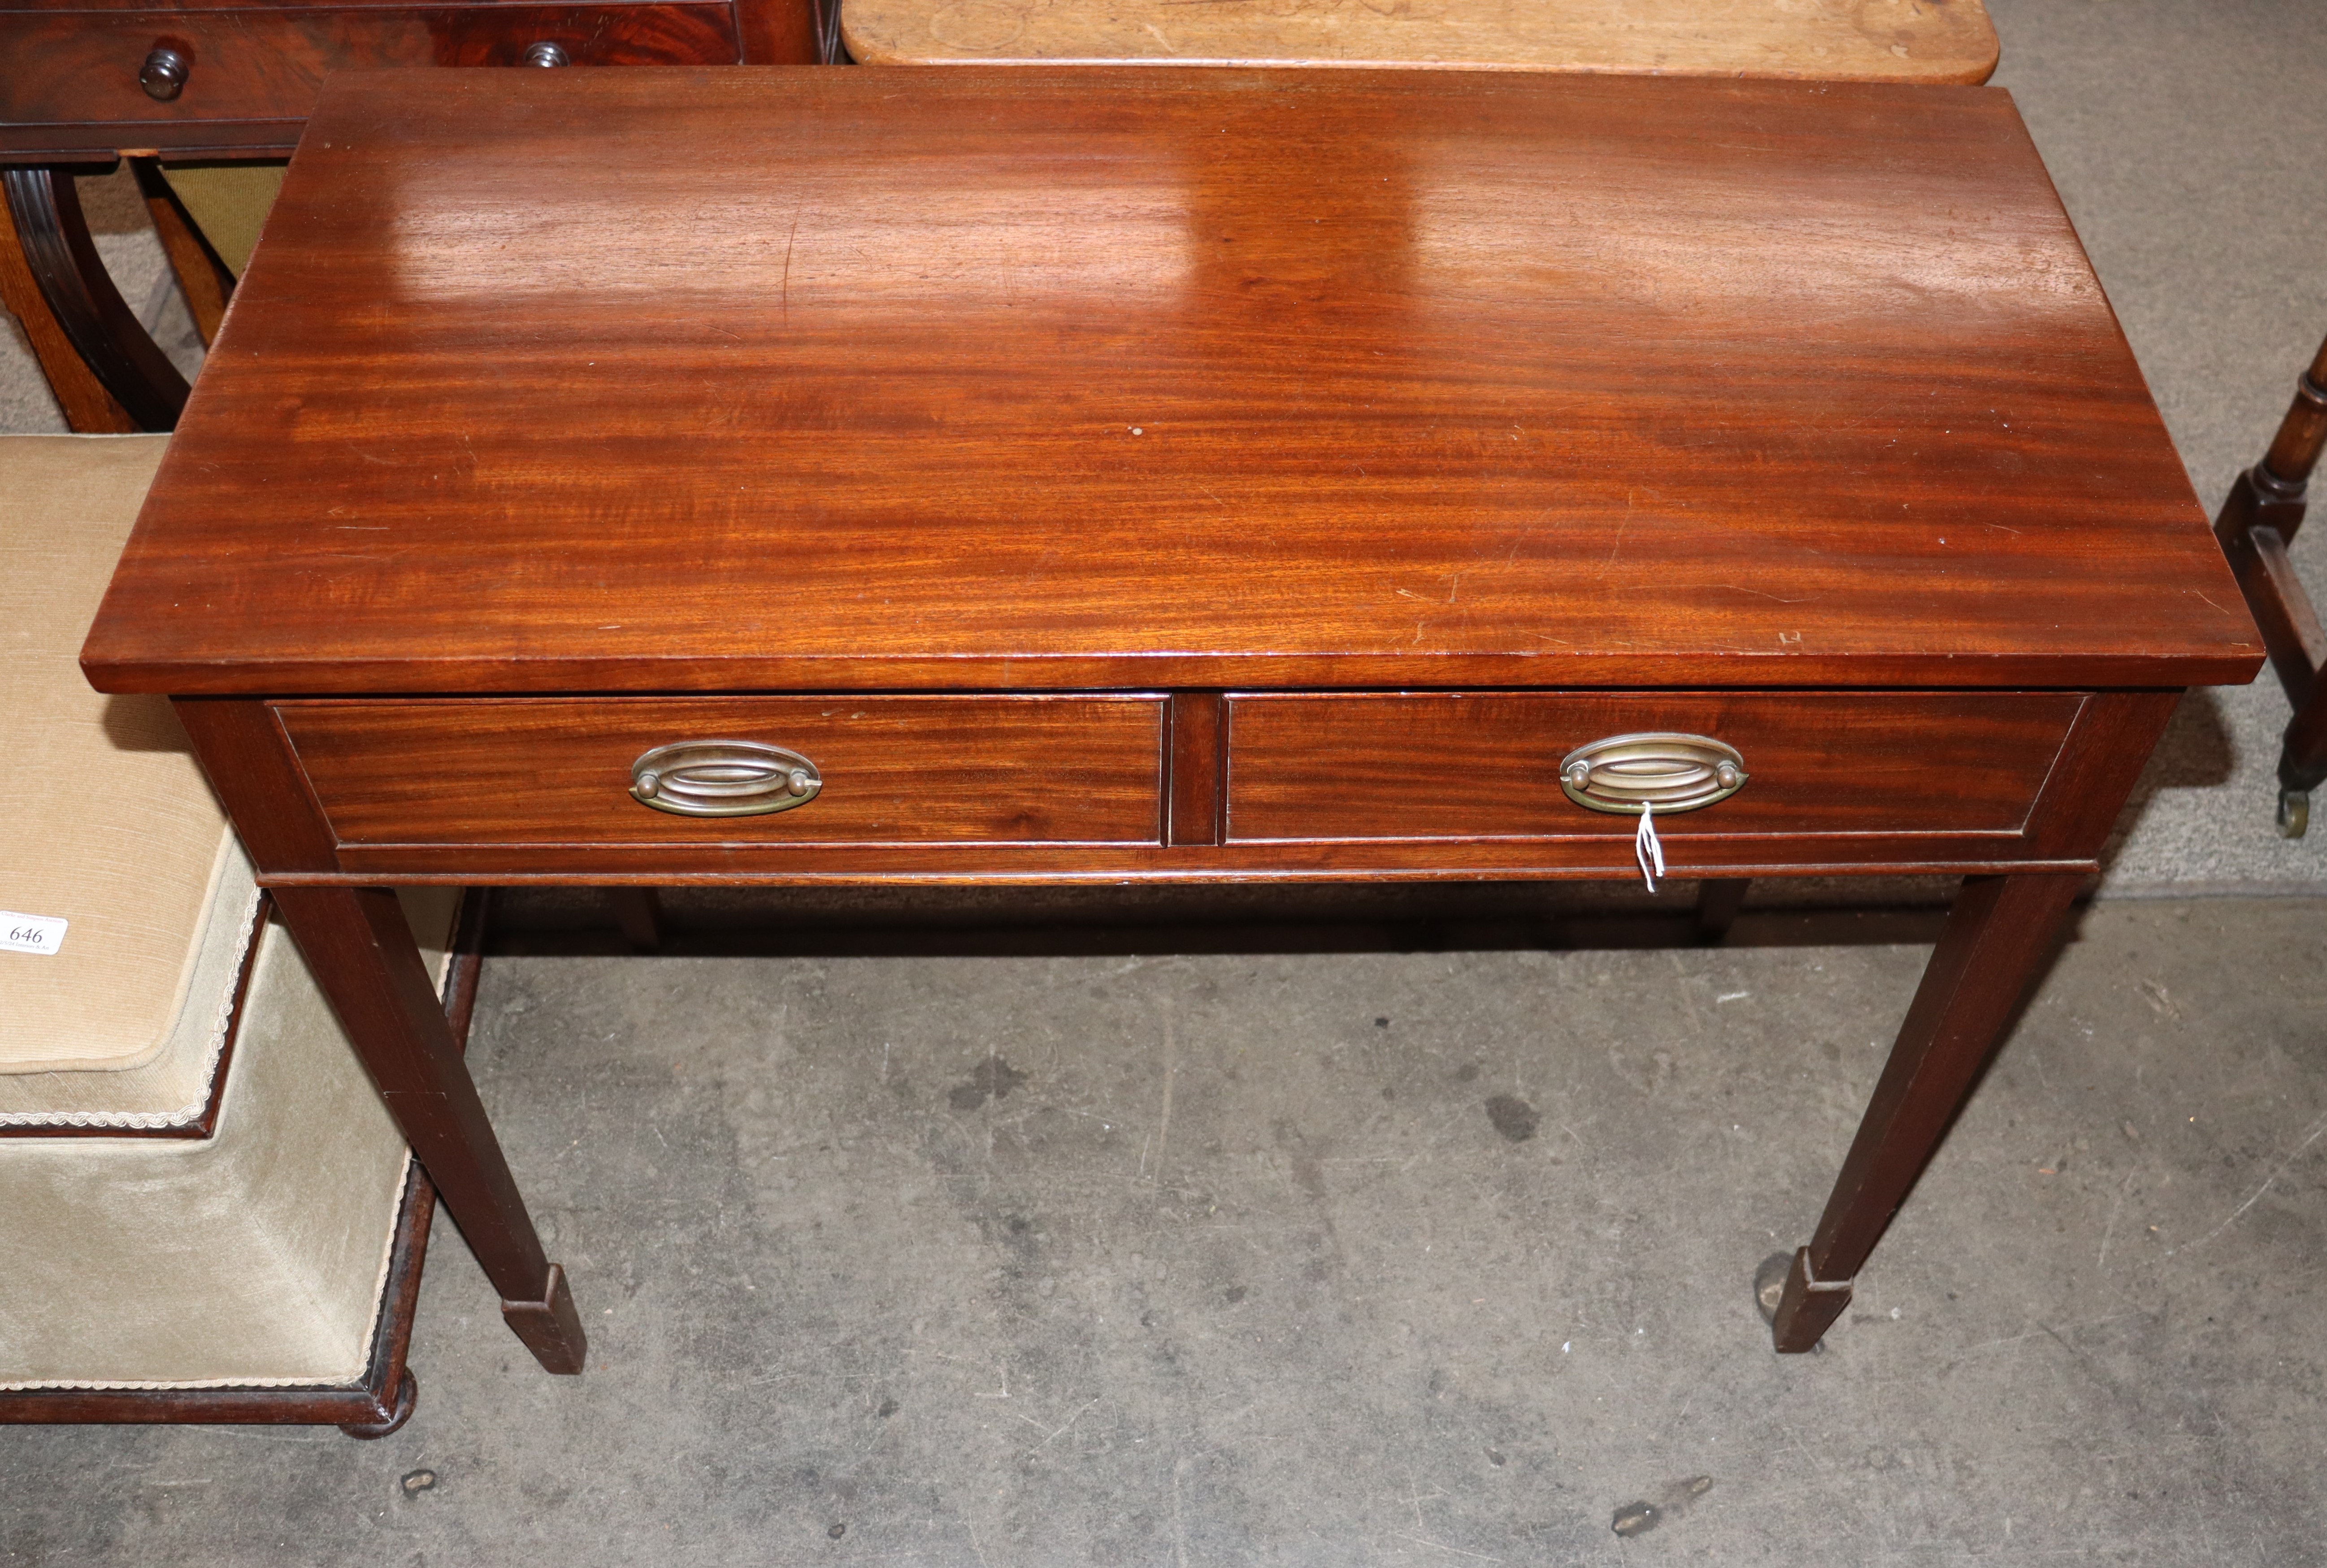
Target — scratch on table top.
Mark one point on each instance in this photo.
(786, 290)
(1610, 564)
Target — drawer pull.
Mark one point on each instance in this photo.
(1629, 774)
(545, 54)
(724, 778)
(163, 74)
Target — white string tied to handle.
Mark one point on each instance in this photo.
(1647, 848)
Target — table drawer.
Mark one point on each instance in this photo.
(1487, 765)
(269, 64)
(893, 770)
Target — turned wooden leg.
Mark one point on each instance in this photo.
(54, 240)
(362, 955)
(1999, 936)
(2258, 521)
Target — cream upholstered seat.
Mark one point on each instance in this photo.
(135, 1253)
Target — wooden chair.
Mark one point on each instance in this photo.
(2256, 525)
(1904, 41)
(108, 373)
(205, 1212)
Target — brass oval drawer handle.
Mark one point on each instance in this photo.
(724, 778)
(1628, 774)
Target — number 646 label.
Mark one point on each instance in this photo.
(41, 934)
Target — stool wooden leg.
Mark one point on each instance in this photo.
(1999, 937)
(54, 239)
(362, 955)
(2258, 521)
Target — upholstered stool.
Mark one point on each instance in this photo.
(1907, 40)
(205, 1213)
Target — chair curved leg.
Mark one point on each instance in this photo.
(55, 239)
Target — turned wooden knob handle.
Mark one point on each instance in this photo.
(165, 72)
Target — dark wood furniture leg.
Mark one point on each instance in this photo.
(201, 277)
(88, 408)
(1718, 900)
(362, 955)
(54, 236)
(2257, 523)
(639, 911)
(1999, 937)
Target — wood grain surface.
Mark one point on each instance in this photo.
(1486, 765)
(895, 770)
(269, 64)
(1100, 376)
(1916, 40)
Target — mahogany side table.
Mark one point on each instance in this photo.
(1046, 475)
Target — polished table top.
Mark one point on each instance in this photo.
(1107, 376)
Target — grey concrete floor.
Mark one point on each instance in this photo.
(1336, 1258)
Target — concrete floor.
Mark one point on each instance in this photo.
(1374, 1257)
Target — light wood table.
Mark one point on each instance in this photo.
(1907, 41)
(1105, 475)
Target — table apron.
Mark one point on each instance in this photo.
(1146, 786)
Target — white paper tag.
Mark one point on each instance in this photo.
(43, 934)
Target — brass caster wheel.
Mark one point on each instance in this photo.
(2293, 812)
